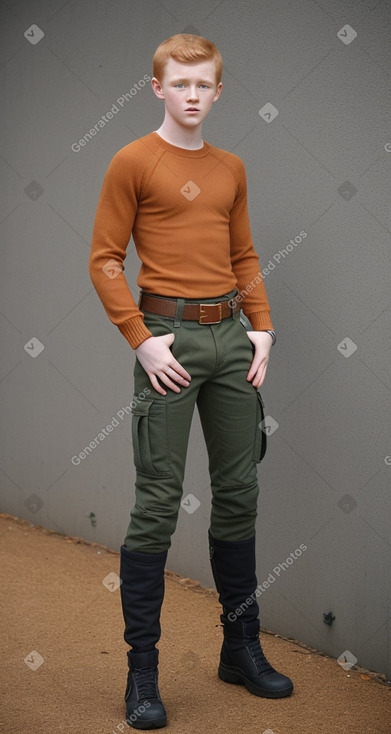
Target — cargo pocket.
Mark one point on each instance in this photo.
(149, 435)
(260, 443)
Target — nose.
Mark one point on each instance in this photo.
(192, 93)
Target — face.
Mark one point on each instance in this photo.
(188, 90)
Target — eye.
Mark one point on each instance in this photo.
(179, 84)
(205, 86)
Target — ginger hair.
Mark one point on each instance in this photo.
(186, 47)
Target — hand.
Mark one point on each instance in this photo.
(157, 360)
(262, 342)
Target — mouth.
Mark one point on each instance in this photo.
(192, 109)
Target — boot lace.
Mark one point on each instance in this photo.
(146, 681)
(257, 654)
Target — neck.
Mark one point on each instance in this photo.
(190, 138)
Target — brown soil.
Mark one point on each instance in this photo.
(56, 605)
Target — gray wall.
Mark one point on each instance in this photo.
(322, 167)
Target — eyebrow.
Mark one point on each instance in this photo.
(200, 81)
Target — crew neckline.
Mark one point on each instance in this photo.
(187, 152)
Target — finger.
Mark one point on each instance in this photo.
(177, 377)
(257, 382)
(253, 369)
(156, 385)
(169, 383)
(175, 365)
(260, 377)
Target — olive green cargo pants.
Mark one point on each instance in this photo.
(218, 357)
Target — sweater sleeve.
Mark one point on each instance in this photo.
(114, 219)
(244, 259)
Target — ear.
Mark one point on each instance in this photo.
(157, 88)
(219, 89)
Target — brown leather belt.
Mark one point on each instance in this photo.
(204, 313)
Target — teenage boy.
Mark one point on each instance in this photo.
(185, 203)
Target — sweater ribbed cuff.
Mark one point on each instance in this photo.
(260, 320)
(134, 331)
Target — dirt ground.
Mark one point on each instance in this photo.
(63, 658)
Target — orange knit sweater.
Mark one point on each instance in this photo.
(187, 213)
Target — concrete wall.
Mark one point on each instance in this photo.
(319, 182)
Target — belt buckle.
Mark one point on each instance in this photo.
(207, 318)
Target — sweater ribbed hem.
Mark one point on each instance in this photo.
(134, 331)
(260, 320)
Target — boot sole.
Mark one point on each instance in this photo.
(157, 724)
(234, 675)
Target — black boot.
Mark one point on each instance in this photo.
(242, 659)
(142, 592)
